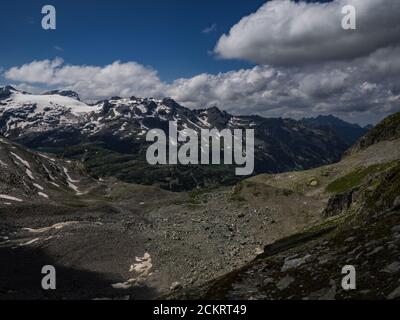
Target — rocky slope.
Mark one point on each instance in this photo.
(359, 225)
(109, 239)
(36, 177)
(388, 129)
(115, 129)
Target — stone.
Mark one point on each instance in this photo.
(396, 203)
(394, 295)
(285, 282)
(313, 182)
(392, 268)
(175, 285)
(396, 229)
(294, 263)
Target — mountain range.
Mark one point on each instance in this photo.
(347, 132)
(108, 137)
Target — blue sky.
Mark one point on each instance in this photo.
(164, 34)
(277, 58)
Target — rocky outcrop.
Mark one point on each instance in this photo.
(388, 129)
(338, 204)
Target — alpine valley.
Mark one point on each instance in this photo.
(76, 193)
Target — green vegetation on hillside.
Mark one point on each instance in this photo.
(356, 177)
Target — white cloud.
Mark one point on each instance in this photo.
(35, 72)
(210, 28)
(366, 89)
(284, 32)
(92, 82)
(58, 48)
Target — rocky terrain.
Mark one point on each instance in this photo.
(360, 226)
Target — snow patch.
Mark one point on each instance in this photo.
(6, 197)
(56, 226)
(38, 186)
(46, 157)
(50, 101)
(71, 182)
(43, 195)
(24, 162)
(30, 174)
(2, 163)
(142, 268)
(69, 177)
(29, 242)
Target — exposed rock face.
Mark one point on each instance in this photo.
(388, 129)
(396, 203)
(5, 92)
(65, 93)
(338, 204)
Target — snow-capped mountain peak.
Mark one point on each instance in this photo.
(45, 101)
(22, 112)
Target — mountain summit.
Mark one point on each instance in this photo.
(348, 132)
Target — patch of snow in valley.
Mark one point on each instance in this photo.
(38, 186)
(71, 182)
(46, 157)
(24, 162)
(30, 174)
(48, 172)
(43, 195)
(73, 187)
(29, 242)
(56, 226)
(142, 268)
(69, 177)
(6, 197)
